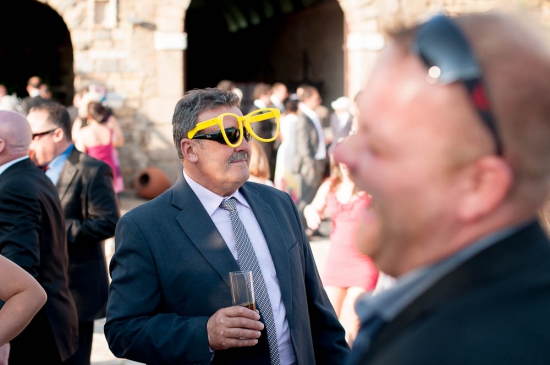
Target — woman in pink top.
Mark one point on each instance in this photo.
(97, 140)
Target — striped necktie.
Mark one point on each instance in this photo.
(249, 262)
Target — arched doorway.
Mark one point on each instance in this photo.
(266, 41)
(35, 42)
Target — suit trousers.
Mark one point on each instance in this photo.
(85, 337)
(36, 344)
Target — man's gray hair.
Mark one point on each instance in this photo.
(192, 104)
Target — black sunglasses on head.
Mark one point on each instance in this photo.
(232, 134)
(446, 53)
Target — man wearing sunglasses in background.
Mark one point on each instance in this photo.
(454, 147)
(170, 299)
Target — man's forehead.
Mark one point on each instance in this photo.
(38, 117)
(213, 113)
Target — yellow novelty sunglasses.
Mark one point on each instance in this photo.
(236, 139)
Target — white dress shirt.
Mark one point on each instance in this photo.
(321, 152)
(211, 203)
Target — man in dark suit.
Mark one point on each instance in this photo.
(310, 158)
(32, 235)
(170, 299)
(453, 147)
(85, 187)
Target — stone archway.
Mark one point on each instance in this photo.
(35, 42)
(251, 42)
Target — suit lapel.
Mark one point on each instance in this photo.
(275, 241)
(199, 227)
(68, 174)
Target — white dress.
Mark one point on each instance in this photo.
(284, 178)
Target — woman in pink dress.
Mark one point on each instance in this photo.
(347, 272)
(97, 140)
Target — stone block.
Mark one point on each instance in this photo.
(100, 34)
(83, 65)
(170, 72)
(107, 65)
(75, 16)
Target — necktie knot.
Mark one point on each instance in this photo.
(229, 204)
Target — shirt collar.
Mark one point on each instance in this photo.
(5, 166)
(59, 160)
(259, 104)
(309, 112)
(388, 304)
(210, 200)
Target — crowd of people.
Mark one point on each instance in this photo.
(438, 170)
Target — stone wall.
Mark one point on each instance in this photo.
(135, 48)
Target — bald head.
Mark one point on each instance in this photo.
(15, 136)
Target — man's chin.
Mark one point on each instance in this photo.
(368, 233)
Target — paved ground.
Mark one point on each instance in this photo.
(101, 355)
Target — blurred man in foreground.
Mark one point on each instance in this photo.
(453, 145)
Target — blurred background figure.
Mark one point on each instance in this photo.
(279, 93)
(100, 137)
(285, 179)
(230, 86)
(265, 129)
(23, 297)
(259, 165)
(341, 121)
(226, 85)
(45, 92)
(9, 102)
(34, 98)
(347, 272)
(310, 157)
(77, 98)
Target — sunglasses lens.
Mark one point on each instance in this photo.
(440, 44)
(232, 134)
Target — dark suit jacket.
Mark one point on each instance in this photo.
(85, 188)
(304, 162)
(32, 235)
(493, 309)
(171, 273)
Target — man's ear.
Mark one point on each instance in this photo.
(59, 135)
(2, 145)
(188, 150)
(487, 183)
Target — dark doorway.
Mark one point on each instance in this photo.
(266, 41)
(35, 42)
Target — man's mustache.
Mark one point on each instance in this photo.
(239, 156)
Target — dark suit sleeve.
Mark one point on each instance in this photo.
(304, 149)
(20, 227)
(142, 331)
(327, 333)
(100, 210)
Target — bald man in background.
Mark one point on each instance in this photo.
(32, 235)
